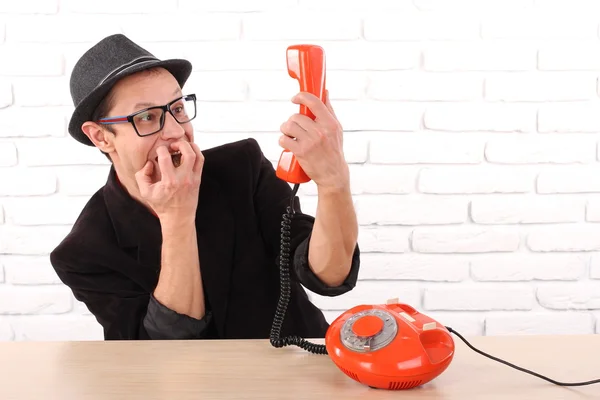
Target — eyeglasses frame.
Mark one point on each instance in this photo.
(165, 108)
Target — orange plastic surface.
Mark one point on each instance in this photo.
(414, 357)
(306, 63)
(367, 326)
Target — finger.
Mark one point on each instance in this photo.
(311, 128)
(188, 156)
(289, 144)
(328, 104)
(144, 175)
(199, 161)
(165, 163)
(316, 106)
(293, 129)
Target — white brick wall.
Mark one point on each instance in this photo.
(472, 129)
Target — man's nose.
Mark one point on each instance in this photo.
(172, 129)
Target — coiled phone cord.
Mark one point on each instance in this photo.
(284, 273)
(284, 297)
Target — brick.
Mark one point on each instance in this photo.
(58, 151)
(539, 26)
(425, 148)
(356, 5)
(19, 300)
(476, 179)
(53, 210)
(528, 267)
(413, 210)
(370, 292)
(29, 270)
(217, 86)
(571, 237)
(533, 149)
(41, 92)
(235, 6)
(413, 267)
(25, 60)
(81, 180)
(539, 323)
(1, 222)
(189, 27)
(325, 25)
(576, 296)
(29, 7)
(8, 154)
(383, 239)
(481, 117)
(119, 7)
(464, 239)
(575, 56)
(30, 240)
(47, 122)
(524, 210)
(418, 86)
(382, 56)
(571, 179)
(382, 179)
(269, 86)
(18, 29)
(389, 26)
(26, 182)
(6, 332)
(566, 5)
(592, 212)
(62, 328)
(467, 323)
(6, 90)
(479, 297)
(595, 267)
(479, 56)
(568, 118)
(472, 5)
(540, 87)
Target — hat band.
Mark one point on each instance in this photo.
(125, 67)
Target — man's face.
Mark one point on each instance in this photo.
(134, 93)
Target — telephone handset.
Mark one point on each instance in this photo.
(386, 346)
(306, 63)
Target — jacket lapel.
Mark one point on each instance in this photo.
(136, 227)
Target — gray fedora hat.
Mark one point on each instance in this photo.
(96, 72)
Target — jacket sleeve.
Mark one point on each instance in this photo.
(122, 307)
(271, 196)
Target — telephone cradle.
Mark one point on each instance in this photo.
(391, 346)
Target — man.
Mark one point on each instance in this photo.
(184, 244)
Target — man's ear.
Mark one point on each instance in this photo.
(101, 137)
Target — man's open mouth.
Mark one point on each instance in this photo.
(175, 157)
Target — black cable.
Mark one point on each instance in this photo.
(520, 368)
(284, 297)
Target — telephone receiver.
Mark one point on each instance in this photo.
(306, 63)
(388, 346)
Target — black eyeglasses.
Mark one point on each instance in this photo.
(151, 120)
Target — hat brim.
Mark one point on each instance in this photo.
(180, 69)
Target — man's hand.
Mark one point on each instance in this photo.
(175, 195)
(318, 144)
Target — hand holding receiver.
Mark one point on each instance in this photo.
(306, 63)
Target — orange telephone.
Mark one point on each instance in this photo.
(391, 346)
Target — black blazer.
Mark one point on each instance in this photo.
(111, 257)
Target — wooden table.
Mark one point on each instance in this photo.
(252, 369)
